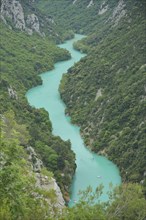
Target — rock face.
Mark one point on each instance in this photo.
(91, 3)
(32, 22)
(42, 181)
(12, 93)
(13, 10)
(47, 184)
(12, 13)
(118, 12)
(103, 8)
(74, 2)
(98, 94)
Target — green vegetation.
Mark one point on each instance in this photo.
(78, 16)
(45, 22)
(105, 94)
(20, 197)
(127, 202)
(108, 94)
(26, 56)
(22, 58)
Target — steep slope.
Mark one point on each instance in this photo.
(83, 16)
(105, 93)
(27, 189)
(24, 16)
(22, 58)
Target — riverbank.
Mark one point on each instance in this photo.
(47, 96)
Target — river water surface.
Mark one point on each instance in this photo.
(91, 169)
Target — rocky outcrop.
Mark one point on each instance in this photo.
(37, 164)
(91, 3)
(12, 13)
(98, 94)
(43, 181)
(12, 93)
(32, 22)
(103, 8)
(118, 13)
(74, 1)
(144, 178)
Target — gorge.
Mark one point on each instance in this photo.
(92, 170)
(89, 100)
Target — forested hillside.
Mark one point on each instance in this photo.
(106, 93)
(22, 58)
(85, 16)
(26, 188)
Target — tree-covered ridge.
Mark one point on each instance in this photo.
(22, 58)
(83, 16)
(105, 93)
(21, 197)
(28, 55)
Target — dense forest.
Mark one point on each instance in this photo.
(22, 58)
(105, 94)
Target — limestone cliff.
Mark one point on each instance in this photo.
(12, 11)
(43, 181)
(14, 14)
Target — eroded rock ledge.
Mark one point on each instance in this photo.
(12, 13)
(43, 181)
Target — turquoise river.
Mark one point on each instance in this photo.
(91, 169)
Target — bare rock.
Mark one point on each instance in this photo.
(118, 13)
(12, 93)
(37, 164)
(98, 94)
(32, 22)
(74, 1)
(13, 10)
(103, 8)
(91, 3)
(42, 181)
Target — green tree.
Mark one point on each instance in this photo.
(128, 203)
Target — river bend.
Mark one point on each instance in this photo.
(91, 169)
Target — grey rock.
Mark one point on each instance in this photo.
(103, 8)
(32, 22)
(12, 93)
(91, 3)
(98, 94)
(74, 1)
(13, 10)
(36, 162)
(42, 181)
(118, 12)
